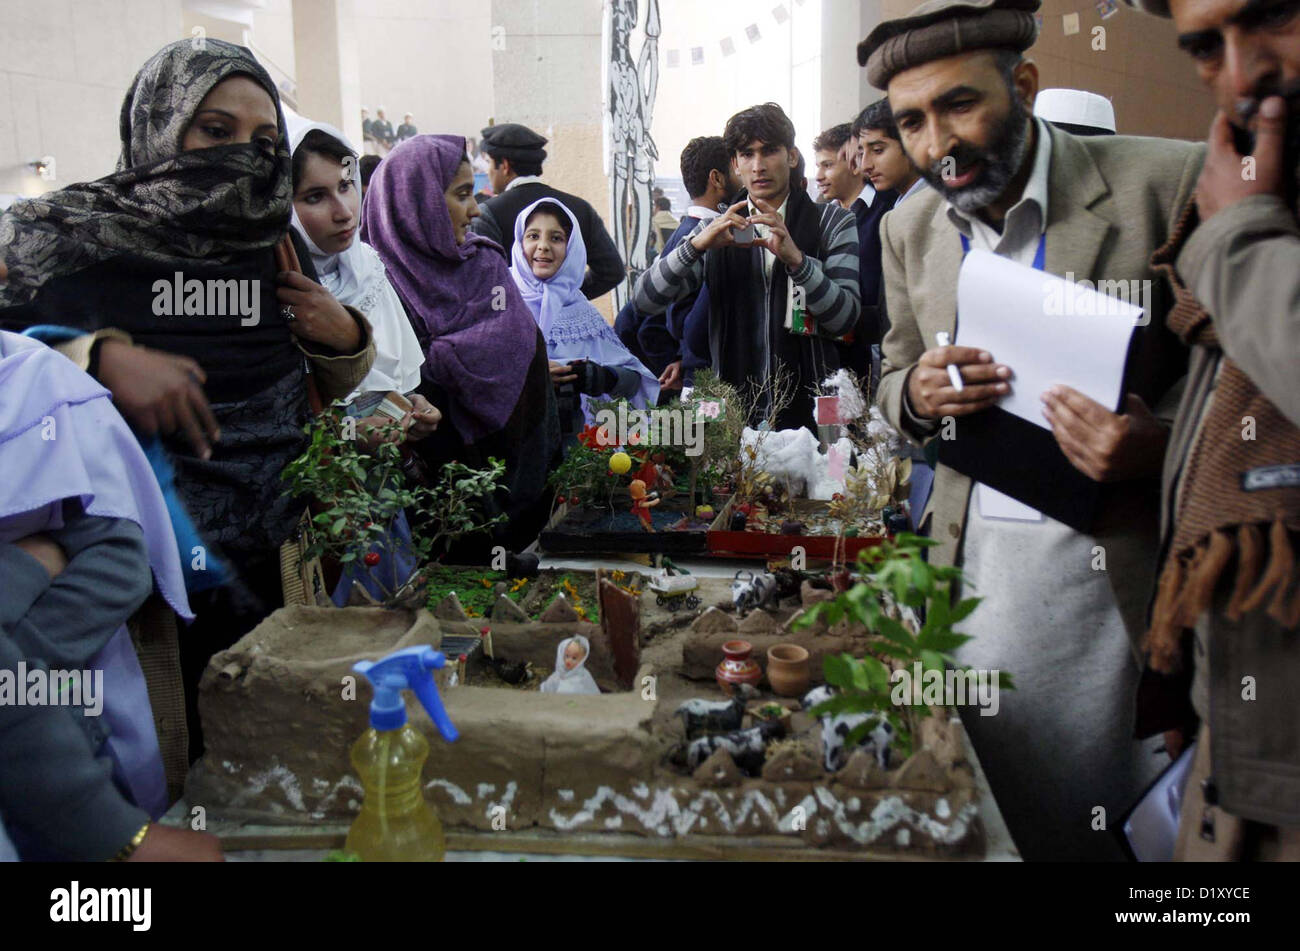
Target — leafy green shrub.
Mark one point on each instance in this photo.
(894, 574)
(359, 492)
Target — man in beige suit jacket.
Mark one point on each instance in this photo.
(1062, 609)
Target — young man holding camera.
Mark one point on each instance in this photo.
(781, 272)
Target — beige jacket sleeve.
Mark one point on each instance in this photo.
(337, 375)
(902, 346)
(1243, 265)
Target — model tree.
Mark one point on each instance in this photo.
(361, 501)
(719, 409)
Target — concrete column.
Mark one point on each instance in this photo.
(845, 90)
(840, 80)
(327, 64)
(546, 74)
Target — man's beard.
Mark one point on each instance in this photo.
(1001, 160)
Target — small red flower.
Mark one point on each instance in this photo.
(574, 500)
(595, 437)
(371, 559)
(485, 630)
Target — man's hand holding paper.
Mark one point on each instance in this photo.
(1068, 344)
(1106, 446)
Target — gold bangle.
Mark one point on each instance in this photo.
(129, 849)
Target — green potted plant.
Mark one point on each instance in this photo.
(894, 580)
(363, 506)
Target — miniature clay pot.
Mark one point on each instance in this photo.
(787, 670)
(785, 716)
(737, 666)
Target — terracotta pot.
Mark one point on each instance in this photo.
(737, 666)
(787, 670)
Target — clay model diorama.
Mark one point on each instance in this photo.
(743, 710)
(638, 736)
(831, 498)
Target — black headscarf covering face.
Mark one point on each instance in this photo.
(172, 207)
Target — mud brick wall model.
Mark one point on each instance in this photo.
(279, 729)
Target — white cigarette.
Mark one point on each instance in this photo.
(953, 373)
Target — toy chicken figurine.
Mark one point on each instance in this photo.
(642, 504)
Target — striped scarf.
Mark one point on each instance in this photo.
(1228, 505)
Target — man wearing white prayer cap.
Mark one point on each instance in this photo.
(1076, 110)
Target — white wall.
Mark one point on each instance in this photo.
(784, 66)
(64, 69)
(432, 58)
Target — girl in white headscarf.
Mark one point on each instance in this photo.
(327, 213)
(571, 674)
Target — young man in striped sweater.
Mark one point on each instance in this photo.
(786, 297)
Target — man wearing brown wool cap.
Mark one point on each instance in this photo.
(1063, 607)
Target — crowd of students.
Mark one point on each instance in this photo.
(148, 461)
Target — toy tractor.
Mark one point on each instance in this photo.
(675, 591)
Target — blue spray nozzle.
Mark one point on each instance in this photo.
(410, 668)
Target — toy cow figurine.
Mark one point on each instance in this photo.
(716, 716)
(755, 591)
(747, 747)
(837, 727)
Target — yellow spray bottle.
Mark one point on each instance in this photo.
(396, 824)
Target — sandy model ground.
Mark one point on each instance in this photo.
(281, 709)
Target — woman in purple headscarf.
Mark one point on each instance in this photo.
(485, 366)
(549, 262)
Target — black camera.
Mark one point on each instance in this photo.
(1243, 140)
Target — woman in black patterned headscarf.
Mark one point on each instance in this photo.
(162, 280)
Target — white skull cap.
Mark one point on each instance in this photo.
(1075, 107)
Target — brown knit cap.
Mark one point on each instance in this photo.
(939, 28)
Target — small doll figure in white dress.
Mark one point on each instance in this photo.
(571, 674)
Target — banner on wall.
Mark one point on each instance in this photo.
(1070, 26)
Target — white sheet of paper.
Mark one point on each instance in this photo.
(1048, 330)
(995, 504)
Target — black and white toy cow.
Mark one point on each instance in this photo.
(837, 727)
(716, 716)
(754, 591)
(747, 747)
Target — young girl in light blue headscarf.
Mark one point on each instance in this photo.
(549, 260)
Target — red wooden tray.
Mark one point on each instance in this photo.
(724, 542)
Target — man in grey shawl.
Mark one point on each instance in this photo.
(1062, 608)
